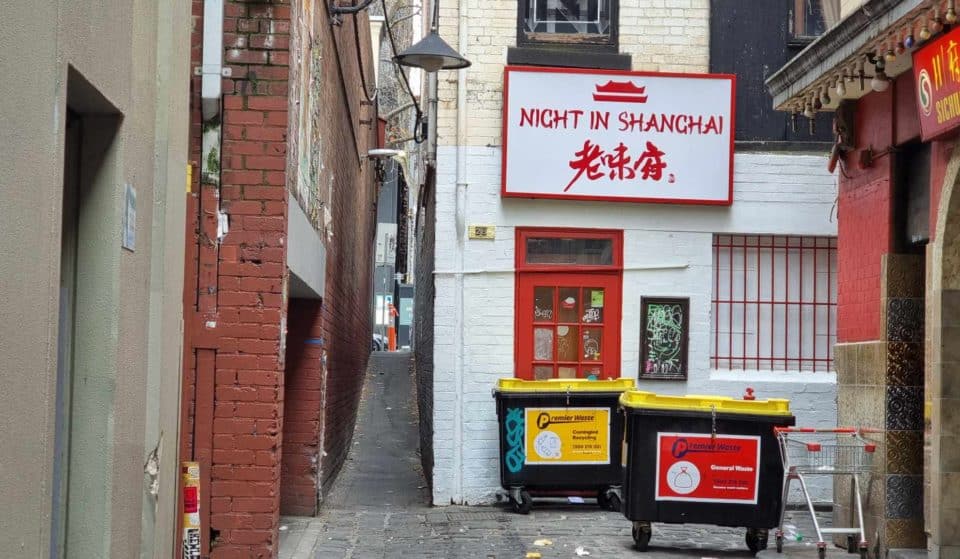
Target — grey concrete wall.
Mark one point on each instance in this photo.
(127, 360)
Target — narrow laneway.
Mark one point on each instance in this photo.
(383, 469)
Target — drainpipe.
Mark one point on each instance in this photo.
(211, 73)
(460, 221)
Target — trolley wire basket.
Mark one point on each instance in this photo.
(838, 451)
(825, 452)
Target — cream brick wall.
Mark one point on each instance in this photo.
(848, 6)
(658, 37)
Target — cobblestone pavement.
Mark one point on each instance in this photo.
(377, 508)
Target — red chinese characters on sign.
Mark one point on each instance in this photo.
(709, 469)
(936, 72)
(619, 164)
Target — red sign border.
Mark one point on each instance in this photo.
(756, 494)
(953, 34)
(505, 121)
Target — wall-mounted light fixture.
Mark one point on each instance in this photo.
(432, 53)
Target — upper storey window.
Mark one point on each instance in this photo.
(812, 18)
(589, 22)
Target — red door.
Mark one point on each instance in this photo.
(569, 327)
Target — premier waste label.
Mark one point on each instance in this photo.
(707, 468)
(567, 436)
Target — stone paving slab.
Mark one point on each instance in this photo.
(378, 508)
(496, 533)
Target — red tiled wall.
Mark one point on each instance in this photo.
(864, 221)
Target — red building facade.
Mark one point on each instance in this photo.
(898, 249)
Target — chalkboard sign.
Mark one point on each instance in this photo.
(664, 332)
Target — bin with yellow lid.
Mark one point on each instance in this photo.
(702, 460)
(560, 436)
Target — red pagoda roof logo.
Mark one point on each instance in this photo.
(620, 92)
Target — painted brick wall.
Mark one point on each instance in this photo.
(669, 249)
(660, 36)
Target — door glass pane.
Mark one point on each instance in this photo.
(569, 302)
(543, 344)
(581, 252)
(593, 304)
(542, 372)
(566, 372)
(543, 304)
(593, 371)
(592, 342)
(567, 338)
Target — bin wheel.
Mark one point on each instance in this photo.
(608, 500)
(779, 543)
(757, 539)
(522, 506)
(602, 499)
(821, 552)
(614, 504)
(641, 535)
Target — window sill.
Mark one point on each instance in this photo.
(743, 376)
(569, 57)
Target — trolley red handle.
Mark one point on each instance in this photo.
(850, 430)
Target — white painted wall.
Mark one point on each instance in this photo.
(667, 251)
(474, 313)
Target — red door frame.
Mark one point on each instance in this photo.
(576, 274)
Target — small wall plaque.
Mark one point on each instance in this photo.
(482, 231)
(129, 240)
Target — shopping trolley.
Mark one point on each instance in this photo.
(825, 452)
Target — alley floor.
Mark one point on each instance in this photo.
(378, 507)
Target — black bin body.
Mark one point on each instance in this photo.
(640, 501)
(557, 477)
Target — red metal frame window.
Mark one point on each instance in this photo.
(568, 303)
(774, 303)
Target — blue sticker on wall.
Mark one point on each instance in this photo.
(513, 424)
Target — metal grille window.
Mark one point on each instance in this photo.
(579, 22)
(774, 303)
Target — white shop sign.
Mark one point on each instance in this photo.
(618, 136)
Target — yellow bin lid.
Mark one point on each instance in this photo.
(565, 385)
(721, 404)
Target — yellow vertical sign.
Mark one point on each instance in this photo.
(567, 436)
(191, 510)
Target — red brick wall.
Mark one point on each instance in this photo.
(349, 129)
(233, 393)
(236, 396)
(302, 414)
(865, 220)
